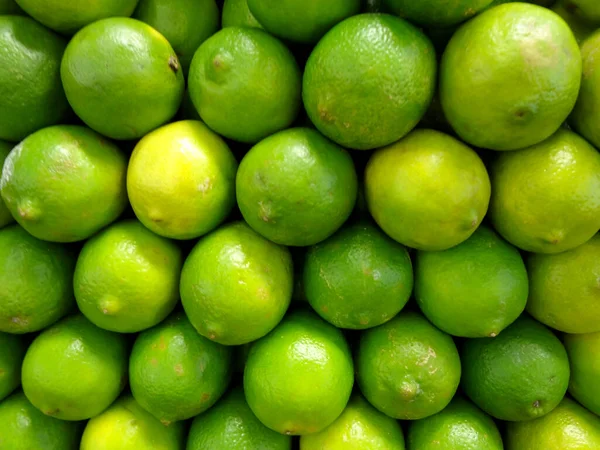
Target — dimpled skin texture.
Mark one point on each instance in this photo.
(31, 94)
(584, 352)
(236, 285)
(298, 379)
(127, 278)
(232, 425)
(5, 216)
(24, 427)
(427, 191)
(546, 198)
(36, 279)
(376, 57)
(475, 289)
(127, 426)
(521, 374)
(64, 183)
(461, 425)
(569, 426)
(510, 77)
(75, 370)
(565, 288)
(296, 187)
(436, 13)
(181, 180)
(122, 78)
(302, 20)
(407, 368)
(175, 373)
(360, 427)
(245, 84)
(359, 278)
(236, 13)
(11, 357)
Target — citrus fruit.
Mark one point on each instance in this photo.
(127, 426)
(461, 425)
(13, 351)
(117, 88)
(588, 10)
(175, 373)
(31, 94)
(428, 191)
(181, 180)
(296, 187)
(369, 81)
(185, 23)
(475, 289)
(127, 278)
(584, 358)
(67, 17)
(360, 427)
(24, 427)
(407, 368)
(236, 13)
(10, 7)
(245, 84)
(565, 288)
(5, 215)
(521, 374)
(569, 426)
(510, 77)
(546, 198)
(580, 27)
(236, 285)
(298, 379)
(436, 13)
(301, 20)
(344, 274)
(586, 114)
(36, 279)
(74, 370)
(64, 183)
(232, 425)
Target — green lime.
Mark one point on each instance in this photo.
(24, 427)
(75, 370)
(236, 13)
(437, 13)
(31, 94)
(64, 183)
(510, 77)
(181, 180)
(587, 10)
(521, 374)
(546, 198)
(185, 23)
(360, 427)
(36, 279)
(427, 191)
(245, 84)
(407, 368)
(296, 187)
(580, 27)
(127, 426)
(232, 425)
(236, 285)
(10, 7)
(460, 426)
(127, 278)
(122, 77)
(298, 379)
(13, 351)
(475, 289)
(369, 81)
(583, 351)
(358, 278)
(303, 21)
(6, 217)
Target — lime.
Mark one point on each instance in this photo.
(587, 10)
(584, 352)
(31, 94)
(74, 370)
(296, 187)
(245, 84)
(36, 279)
(236, 285)
(181, 180)
(13, 351)
(10, 7)
(236, 13)
(369, 81)
(428, 191)
(580, 27)
(510, 77)
(5, 215)
(64, 183)
(437, 13)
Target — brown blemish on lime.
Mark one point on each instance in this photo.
(154, 361)
(174, 63)
(161, 344)
(536, 404)
(178, 369)
(52, 412)
(205, 396)
(165, 422)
